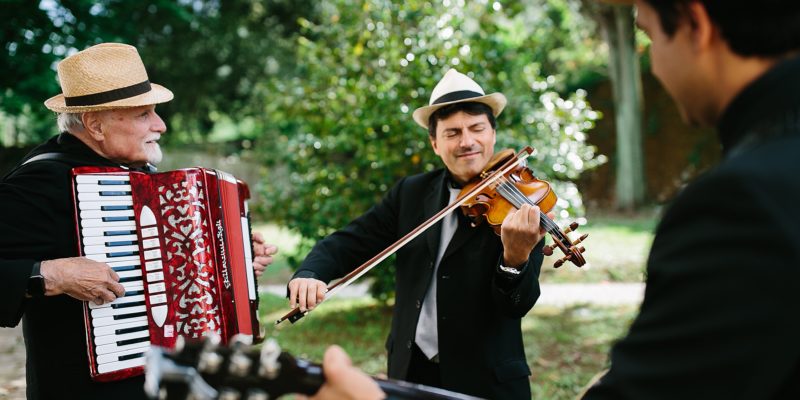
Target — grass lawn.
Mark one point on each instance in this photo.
(565, 346)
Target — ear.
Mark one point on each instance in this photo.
(704, 32)
(93, 123)
(434, 145)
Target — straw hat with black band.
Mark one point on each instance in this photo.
(103, 77)
(456, 87)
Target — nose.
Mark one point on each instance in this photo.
(467, 139)
(158, 124)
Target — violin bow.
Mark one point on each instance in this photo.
(294, 315)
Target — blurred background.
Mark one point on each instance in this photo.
(310, 102)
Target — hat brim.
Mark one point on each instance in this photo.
(496, 101)
(157, 94)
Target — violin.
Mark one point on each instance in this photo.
(509, 192)
(507, 177)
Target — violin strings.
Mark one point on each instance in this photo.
(517, 198)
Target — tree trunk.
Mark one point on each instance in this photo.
(617, 26)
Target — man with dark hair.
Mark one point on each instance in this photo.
(719, 317)
(460, 291)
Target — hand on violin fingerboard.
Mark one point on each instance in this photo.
(520, 232)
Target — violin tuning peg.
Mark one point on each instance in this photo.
(581, 249)
(572, 227)
(548, 250)
(581, 239)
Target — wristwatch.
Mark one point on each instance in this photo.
(36, 282)
(510, 270)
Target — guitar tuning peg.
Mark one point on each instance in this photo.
(572, 227)
(180, 344)
(269, 366)
(239, 364)
(209, 361)
(229, 394)
(257, 394)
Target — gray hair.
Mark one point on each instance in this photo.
(70, 122)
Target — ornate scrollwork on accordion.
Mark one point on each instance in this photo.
(180, 241)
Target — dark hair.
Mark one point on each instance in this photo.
(471, 108)
(751, 28)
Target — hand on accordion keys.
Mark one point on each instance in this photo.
(81, 278)
(263, 253)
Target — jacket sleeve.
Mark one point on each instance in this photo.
(720, 304)
(346, 249)
(515, 295)
(14, 276)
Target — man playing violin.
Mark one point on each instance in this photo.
(461, 291)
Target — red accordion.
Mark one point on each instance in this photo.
(180, 242)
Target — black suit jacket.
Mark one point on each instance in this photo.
(479, 309)
(720, 313)
(37, 223)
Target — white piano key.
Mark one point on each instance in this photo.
(110, 312)
(159, 314)
(150, 243)
(90, 188)
(105, 259)
(94, 178)
(98, 205)
(97, 222)
(109, 249)
(158, 299)
(154, 265)
(113, 347)
(105, 240)
(86, 214)
(152, 254)
(120, 365)
(156, 288)
(146, 217)
(109, 231)
(134, 263)
(119, 300)
(133, 286)
(97, 197)
(149, 232)
(110, 321)
(134, 273)
(108, 339)
(114, 357)
(112, 329)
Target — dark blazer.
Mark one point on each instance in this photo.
(720, 313)
(479, 308)
(37, 223)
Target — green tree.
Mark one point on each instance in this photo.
(341, 130)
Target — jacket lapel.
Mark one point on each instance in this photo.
(433, 204)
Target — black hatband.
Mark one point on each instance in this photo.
(108, 96)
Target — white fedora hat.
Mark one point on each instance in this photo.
(104, 77)
(456, 87)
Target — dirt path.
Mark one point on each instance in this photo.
(12, 364)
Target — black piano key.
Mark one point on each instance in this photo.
(132, 341)
(130, 279)
(130, 330)
(114, 219)
(115, 208)
(132, 315)
(122, 254)
(130, 356)
(115, 193)
(120, 243)
(112, 182)
(118, 233)
(133, 292)
(126, 305)
(121, 268)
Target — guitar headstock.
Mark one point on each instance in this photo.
(205, 370)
